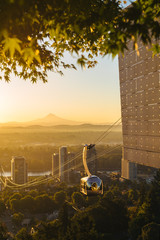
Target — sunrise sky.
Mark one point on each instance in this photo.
(90, 95)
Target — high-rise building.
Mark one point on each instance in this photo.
(71, 160)
(71, 166)
(140, 106)
(63, 165)
(55, 165)
(19, 170)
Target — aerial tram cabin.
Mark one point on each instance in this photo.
(90, 185)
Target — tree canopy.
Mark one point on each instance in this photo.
(35, 34)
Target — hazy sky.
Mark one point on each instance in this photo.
(90, 95)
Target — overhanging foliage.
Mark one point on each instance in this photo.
(35, 34)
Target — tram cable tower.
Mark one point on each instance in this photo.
(90, 185)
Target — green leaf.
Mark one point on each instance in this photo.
(29, 54)
(82, 61)
(11, 45)
(155, 49)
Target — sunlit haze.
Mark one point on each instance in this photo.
(90, 95)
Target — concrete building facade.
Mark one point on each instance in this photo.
(71, 160)
(19, 173)
(140, 107)
(55, 165)
(63, 165)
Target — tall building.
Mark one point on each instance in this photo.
(63, 165)
(140, 106)
(71, 166)
(19, 170)
(71, 163)
(55, 164)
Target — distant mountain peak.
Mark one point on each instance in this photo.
(49, 120)
(50, 115)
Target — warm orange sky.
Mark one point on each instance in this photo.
(90, 95)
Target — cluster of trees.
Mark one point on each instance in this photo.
(126, 211)
(33, 201)
(34, 35)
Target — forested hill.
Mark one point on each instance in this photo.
(57, 135)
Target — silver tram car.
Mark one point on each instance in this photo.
(91, 185)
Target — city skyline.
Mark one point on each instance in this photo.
(90, 95)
